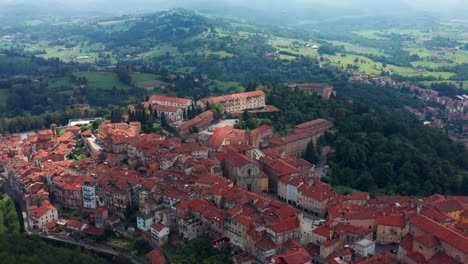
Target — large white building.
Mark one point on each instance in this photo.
(43, 215)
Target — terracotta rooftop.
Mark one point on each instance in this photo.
(391, 220)
(167, 108)
(230, 97)
(427, 240)
(449, 206)
(170, 99)
(157, 226)
(284, 225)
(442, 232)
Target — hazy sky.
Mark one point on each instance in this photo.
(122, 6)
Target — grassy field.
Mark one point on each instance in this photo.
(121, 242)
(357, 49)
(147, 81)
(370, 34)
(143, 77)
(294, 46)
(222, 53)
(56, 83)
(465, 83)
(160, 50)
(102, 80)
(216, 86)
(369, 66)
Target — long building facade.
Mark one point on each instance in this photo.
(237, 102)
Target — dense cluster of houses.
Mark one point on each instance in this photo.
(248, 189)
(452, 109)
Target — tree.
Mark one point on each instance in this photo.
(116, 116)
(164, 122)
(310, 154)
(218, 110)
(142, 246)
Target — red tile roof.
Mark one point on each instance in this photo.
(266, 244)
(167, 108)
(285, 225)
(407, 242)
(358, 196)
(236, 159)
(427, 240)
(157, 226)
(45, 207)
(230, 97)
(385, 258)
(416, 257)
(299, 256)
(442, 258)
(442, 232)
(449, 206)
(323, 230)
(436, 215)
(156, 256)
(280, 167)
(170, 99)
(218, 137)
(312, 123)
(391, 220)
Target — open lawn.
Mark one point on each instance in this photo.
(160, 50)
(147, 81)
(61, 82)
(357, 49)
(121, 242)
(143, 77)
(102, 80)
(221, 53)
(222, 87)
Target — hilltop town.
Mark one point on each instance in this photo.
(247, 190)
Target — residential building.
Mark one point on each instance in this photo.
(160, 234)
(44, 214)
(365, 248)
(390, 228)
(172, 113)
(89, 195)
(295, 145)
(237, 102)
(144, 221)
(171, 101)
